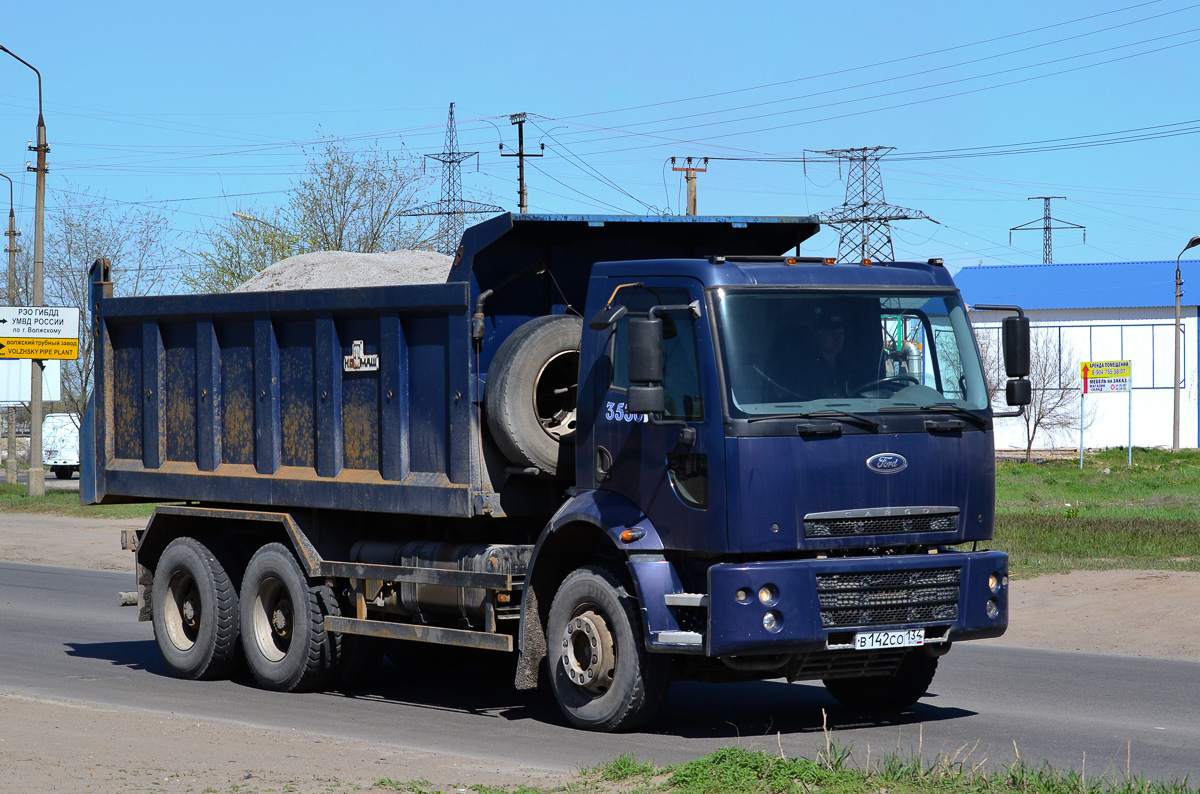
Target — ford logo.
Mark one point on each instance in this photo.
(887, 463)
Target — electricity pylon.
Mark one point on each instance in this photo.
(864, 217)
(452, 210)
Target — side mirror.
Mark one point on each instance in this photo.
(1018, 392)
(646, 350)
(607, 317)
(1015, 332)
(645, 400)
(645, 394)
(1016, 348)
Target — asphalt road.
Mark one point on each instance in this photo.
(51, 481)
(62, 635)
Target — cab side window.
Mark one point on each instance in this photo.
(681, 375)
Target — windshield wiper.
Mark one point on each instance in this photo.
(830, 412)
(945, 408)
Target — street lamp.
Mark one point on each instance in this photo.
(1192, 243)
(37, 475)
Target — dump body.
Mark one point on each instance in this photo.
(259, 399)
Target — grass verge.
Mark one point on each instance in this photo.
(1054, 516)
(733, 770)
(13, 499)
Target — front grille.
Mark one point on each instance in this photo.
(888, 597)
(852, 526)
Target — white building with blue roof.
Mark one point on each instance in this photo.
(1102, 311)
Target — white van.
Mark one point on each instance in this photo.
(60, 444)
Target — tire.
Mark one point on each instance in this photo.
(887, 693)
(195, 612)
(600, 672)
(61, 472)
(283, 624)
(531, 424)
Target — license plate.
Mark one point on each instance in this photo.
(876, 640)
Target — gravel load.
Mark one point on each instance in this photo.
(338, 269)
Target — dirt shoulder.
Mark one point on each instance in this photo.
(50, 744)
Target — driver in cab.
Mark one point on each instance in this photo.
(828, 374)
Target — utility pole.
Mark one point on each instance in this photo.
(37, 475)
(519, 120)
(690, 172)
(1047, 225)
(10, 468)
(1192, 243)
(452, 209)
(865, 215)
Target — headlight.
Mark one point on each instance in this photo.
(768, 595)
(992, 608)
(994, 583)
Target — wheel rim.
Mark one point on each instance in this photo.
(554, 395)
(588, 654)
(182, 612)
(274, 620)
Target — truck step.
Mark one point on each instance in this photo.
(680, 637)
(686, 599)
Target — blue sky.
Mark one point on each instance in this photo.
(206, 108)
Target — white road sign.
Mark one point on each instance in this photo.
(44, 332)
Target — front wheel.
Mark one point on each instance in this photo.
(888, 692)
(601, 674)
(284, 639)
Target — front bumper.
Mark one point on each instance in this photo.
(819, 604)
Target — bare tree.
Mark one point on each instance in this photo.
(993, 368)
(347, 199)
(81, 228)
(1054, 408)
(353, 200)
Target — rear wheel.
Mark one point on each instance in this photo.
(286, 645)
(62, 472)
(195, 611)
(601, 674)
(891, 692)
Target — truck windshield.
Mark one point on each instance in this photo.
(788, 352)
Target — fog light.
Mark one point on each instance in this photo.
(742, 595)
(768, 595)
(772, 621)
(992, 608)
(993, 583)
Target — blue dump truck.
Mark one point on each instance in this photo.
(630, 450)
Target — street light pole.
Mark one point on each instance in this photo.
(37, 475)
(1178, 345)
(10, 468)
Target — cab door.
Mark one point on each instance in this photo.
(678, 485)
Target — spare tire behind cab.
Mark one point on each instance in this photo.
(531, 390)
